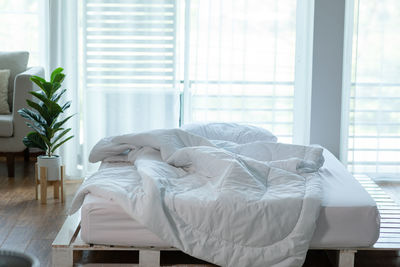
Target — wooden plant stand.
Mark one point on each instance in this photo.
(43, 183)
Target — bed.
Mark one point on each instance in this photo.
(349, 216)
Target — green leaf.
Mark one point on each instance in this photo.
(41, 109)
(62, 142)
(60, 123)
(44, 116)
(54, 74)
(38, 128)
(54, 113)
(66, 106)
(56, 86)
(32, 116)
(42, 97)
(61, 135)
(59, 78)
(33, 140)
(34, 105)
(54, 108)
(48, 89)
(28, 143)
(58, 129)
(45, 140)
(38, 81)
(57, 96)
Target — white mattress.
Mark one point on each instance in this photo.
(349, 216)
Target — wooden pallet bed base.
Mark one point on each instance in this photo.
(68, 239)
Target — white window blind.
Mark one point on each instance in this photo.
(129, 67)
(374, 100)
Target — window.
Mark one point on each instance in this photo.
(161, 63)
(240, 63)
(21, 23)
(129, 67)
(374, 98)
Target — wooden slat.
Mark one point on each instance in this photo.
(381, 197)
(388, 235)
(368, 186)
(386, 203)
(62, 171)
(36, 181)
(366, 182)
(390, 216)
(79, 243)
(391, 221)
(389, 225)
(379, 193)
(375, 190)
(43, 185)
(388, 212)
(384, 246)
(68, 231)
(389, 238)
(389, 208)
(389, 230)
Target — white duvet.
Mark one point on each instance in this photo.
(252, 204)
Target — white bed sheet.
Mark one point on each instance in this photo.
(348, 218)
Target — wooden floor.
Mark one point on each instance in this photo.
(26, 225)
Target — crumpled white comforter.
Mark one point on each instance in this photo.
(253, 204)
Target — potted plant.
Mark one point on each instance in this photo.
(44, 118)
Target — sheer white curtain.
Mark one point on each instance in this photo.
(374, 89)
(48, 30)
(119, 58)
(129, 51)
(240, 61)
(62, 29)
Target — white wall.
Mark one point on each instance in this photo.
(326, 96)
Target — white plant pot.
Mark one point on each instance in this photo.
(52, 164)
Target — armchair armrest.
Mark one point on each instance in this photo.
(22, 86)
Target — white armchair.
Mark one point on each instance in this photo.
(12, 126)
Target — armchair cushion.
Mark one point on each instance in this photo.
(6, 125)
(4, 76)
(16, 62)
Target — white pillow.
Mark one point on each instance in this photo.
(4, 76)
(233, 132)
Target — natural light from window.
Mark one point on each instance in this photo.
(20, 27)
(374, 123)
